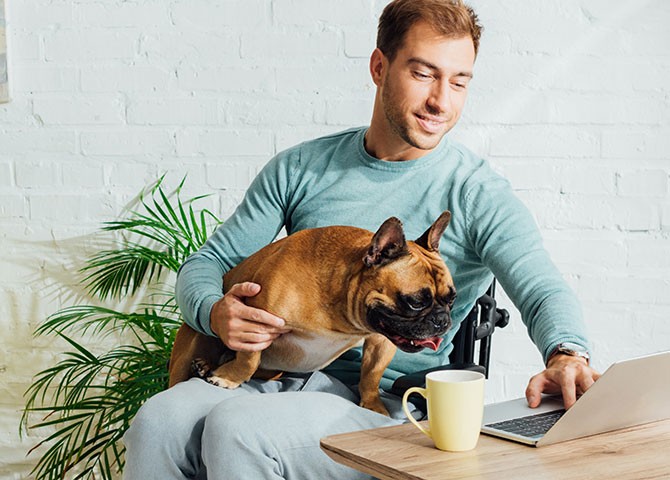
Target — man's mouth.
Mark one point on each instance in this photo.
(430, 123)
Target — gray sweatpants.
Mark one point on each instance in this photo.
(264, 429)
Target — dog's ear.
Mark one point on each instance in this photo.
(430, 240)
(387, 244)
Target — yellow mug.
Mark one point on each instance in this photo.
(455, 408)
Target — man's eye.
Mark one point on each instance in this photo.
(421, 75)
(460, 85)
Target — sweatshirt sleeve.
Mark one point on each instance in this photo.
(503, 232)
(254, 224)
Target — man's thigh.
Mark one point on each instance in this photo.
(276, 435)
(291, 414)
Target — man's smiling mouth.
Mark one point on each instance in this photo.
(430, 124)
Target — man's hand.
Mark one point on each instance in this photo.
(569, 376)
(243, 328)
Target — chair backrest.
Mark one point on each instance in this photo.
(478, 326)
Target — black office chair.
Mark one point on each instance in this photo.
(478, 326)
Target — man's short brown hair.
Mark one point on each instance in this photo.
(451, 18)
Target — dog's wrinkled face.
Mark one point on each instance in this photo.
(414, 322)
(411, 304)
(417, 312)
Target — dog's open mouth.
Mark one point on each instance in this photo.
(414, 345)
(409, 335)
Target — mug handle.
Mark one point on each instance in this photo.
(422, 392)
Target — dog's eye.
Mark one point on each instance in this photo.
(415, 305)
(417, 302)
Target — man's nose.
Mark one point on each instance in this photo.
(439, 101)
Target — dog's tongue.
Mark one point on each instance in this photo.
(432, 343)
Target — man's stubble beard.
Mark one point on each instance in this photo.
(400, 125)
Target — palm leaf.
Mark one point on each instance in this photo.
(87, 399)
(104, 321)
(170, 238)
(115, 273)
(91, 412)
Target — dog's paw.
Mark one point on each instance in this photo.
(221, 382)
(201, 369)
(375, 405)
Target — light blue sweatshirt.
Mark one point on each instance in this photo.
(334, 181)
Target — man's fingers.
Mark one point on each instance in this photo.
(245, 289)
(250, 289)
(250, 347)
(242, 327)
(568, 390)
(252, 342)
(261, 317)
(534, 391)
(586, 380)
(257, 337)
(566, 375)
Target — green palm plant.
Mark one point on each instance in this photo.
(88, 400)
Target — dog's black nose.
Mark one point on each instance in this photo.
(440, 320)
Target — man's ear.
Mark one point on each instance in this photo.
(387, 244)
(378, 64)
(430, 240)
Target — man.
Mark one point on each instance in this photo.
(403, 165)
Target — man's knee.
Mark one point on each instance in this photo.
(158, 418)
(174, 413)
(244, 434)
(279, 433)
(163, 440)
(283, 418)
(230, 421)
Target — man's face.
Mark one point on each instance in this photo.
(423, 89)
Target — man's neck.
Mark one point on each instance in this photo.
(389, 147)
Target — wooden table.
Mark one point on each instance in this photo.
(402, 452)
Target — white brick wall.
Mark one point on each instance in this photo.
(571, 101)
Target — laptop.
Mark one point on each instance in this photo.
(631, 392)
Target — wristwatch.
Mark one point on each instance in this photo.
(571, 349)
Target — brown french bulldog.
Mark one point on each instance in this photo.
(334, 287)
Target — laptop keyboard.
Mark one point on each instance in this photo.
(530, 426)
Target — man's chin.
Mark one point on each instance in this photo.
(426, 142)
(422, 140)
(418, 139)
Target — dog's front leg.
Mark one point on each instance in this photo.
(239, 370)
(378, 352)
